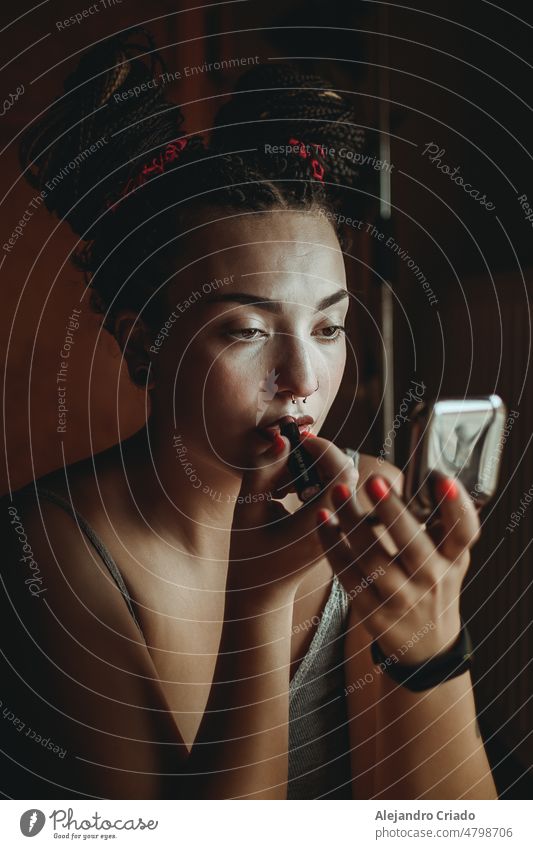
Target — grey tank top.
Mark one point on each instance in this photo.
(319, 746)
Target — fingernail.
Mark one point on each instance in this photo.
(446, 489)
(323, 515)
(306, 434)
(279, 444)
(341, 492)
(378, 488)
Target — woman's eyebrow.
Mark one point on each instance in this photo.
(270, 304)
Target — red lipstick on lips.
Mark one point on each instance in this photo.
(270, 430)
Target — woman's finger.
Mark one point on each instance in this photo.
(341, 557)
(334, 543)
(333, 464)
(257, 485)
(415, 548)
(457, 527)
(365, 547)
(352, 521)
(368, 607)
(359, 553)
(284, 484)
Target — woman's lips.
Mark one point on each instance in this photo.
(271, 430)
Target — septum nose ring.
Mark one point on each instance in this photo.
(306, 397)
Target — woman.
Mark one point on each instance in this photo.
(198, 631)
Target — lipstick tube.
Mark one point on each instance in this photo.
(306, 478)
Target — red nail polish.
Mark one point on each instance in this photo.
(446, 489)
(378, 488)
(341, 492)
(306, 434)
(279, 443)
(323, 515)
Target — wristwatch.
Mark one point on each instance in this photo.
(435, 670)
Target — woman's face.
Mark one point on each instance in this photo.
(249, 326)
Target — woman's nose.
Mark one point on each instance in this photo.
(297, 367)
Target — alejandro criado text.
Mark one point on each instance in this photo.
(402, 816)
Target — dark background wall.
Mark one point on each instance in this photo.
(459, 76)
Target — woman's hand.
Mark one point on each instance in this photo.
(241, 749)
(270, 547)
(411, 597)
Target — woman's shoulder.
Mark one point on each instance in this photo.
(79, 484)
(58, 480)
(48, 530)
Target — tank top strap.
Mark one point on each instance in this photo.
(90, 533)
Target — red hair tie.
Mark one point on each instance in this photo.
(318, 168)
(169, 154)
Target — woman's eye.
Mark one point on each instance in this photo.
(338, 331)
(246, 330)
(249, 334)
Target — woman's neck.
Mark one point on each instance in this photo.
(180, 495)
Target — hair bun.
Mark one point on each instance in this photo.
(276, 102)
(89, 140)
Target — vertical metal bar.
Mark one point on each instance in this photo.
(387, 300)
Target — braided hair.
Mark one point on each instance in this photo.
(134, 176)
